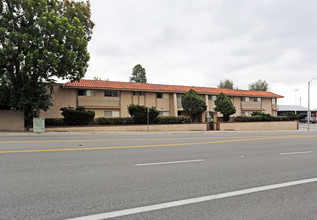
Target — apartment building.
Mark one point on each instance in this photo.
(110, 99)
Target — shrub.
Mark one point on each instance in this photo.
(78, 116)
(139, 114)
(114, 121)
(54, 122)
(262, 117)
(291, 116)
(173, 120)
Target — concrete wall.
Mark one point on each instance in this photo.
(61, 98)
(11, 120)
(258, 126)
(133, 128)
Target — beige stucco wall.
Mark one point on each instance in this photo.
(267, 105)
(163, 104)
(61, 98)
(126, 99)
(134, 128)
(150, 99)
(259, 126)
(99, 100)
(11, 120)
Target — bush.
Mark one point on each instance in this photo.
(173, 120)
(291, 115)
(78, 116)
(54, 122)
(139, 114)
(114, 121)
(262, 117)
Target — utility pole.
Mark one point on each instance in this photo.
(308, 113)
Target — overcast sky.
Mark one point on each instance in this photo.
(186, 42)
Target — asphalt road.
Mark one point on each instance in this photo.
(68, 176)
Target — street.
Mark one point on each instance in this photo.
(209, 175)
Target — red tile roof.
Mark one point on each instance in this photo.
(99, 84)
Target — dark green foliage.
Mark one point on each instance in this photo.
(54, 122)
(78, 116)
(302, 115)
(225, 106)
(173, 120)
(291, 115)
(114, 121)
(193, 104)
(138, 74)
(260, 85)
(41, 41)
(226, 84)
(263, 117)
(139, 114)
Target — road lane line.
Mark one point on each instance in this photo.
(142, 209)
(155, 139)
(171, 162)
(292, 153)
(146, 146)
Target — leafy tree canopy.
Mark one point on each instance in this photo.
(41, 41)
(260, 85)
(193, 104)
(224, 106)
(226, 84)
(138, 74)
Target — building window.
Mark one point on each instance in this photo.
(274, 113)
(109, 93)
(257, 99)
(212, 97)
(245, 113)
(164, 113)
(138, 93)
(86, 92)
(245, 99)
(112, 113)
(162, 95)
(273, 101)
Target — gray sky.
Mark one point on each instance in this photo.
(186, 42)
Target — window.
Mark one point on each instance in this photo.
(273, 101)
(202, 97)
(162, 95)
(110, 93)
(245, 113)
(212, 97)
(257, 99)
(164, 113)
(138, 93)
(112, 113)
(84, 92)
(245, 99)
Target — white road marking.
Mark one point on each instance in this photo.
(171, 162)
(291, 153)
(131, 211)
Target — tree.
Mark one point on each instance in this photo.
(259, 85)
(224, 106)
(41, 41)
(226, 84)
(138, 74)
(193, 104)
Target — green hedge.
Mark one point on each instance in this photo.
(261, 118)
(78, 116)
(114, 121)
(54, 122)
(173, 120)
